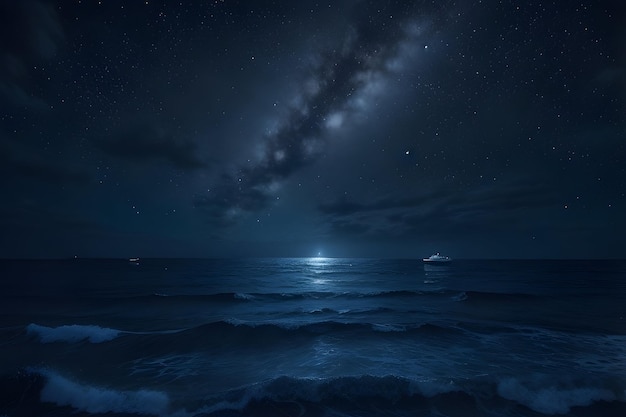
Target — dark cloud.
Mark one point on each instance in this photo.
(442, 212)
(148, 143)
(342, 78)
(30, 33)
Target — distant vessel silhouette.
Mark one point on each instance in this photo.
(437, 259)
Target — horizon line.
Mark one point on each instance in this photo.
(131, 259)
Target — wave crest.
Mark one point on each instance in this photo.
(62, 391)
(551, 398)
(72, 333)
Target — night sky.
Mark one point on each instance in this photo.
(480, 129)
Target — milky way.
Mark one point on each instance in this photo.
(344, 80)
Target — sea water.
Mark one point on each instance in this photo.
(312, 337)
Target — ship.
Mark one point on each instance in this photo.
(437, 259)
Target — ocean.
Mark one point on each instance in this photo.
(312, 337)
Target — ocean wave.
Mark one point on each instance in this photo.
(249, 328)
(323, 310)
(485, 296)
(237, 332)
(369, 395)
(460, 297)
(222, 297)
(388, 328)
(259, 297)
(40, 390)
(63, 391)
(348, 311)
(401, 294)
(72, 333)
(350, 395)
(550, 397)
(242, 297)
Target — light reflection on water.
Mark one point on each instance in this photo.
(434, 274)
(318, 267)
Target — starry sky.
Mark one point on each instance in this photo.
(480, 129)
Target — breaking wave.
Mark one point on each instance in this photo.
(63, 391)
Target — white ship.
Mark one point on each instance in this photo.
(437, 258)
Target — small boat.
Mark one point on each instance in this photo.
(437, 259)
(134, 261)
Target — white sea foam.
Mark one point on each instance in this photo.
(552, 399)
(243, 296)
(460, 297)
(65, 392)
(72, 333)
(388, 328)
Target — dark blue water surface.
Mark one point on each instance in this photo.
(312, 337)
